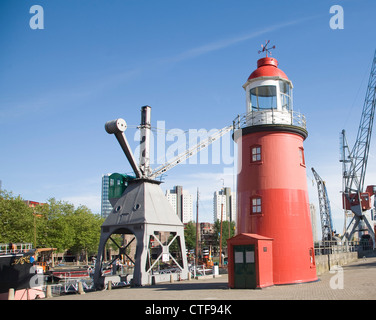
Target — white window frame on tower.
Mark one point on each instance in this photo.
(256, 205)
(301, 156)
(256, 154)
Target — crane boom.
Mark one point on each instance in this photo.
(190, 152)
(325, 211)
(359, 154)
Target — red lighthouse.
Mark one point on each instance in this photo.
(271, 184)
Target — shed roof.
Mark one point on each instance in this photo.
(243, 236)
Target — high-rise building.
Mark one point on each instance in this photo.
(106, 207)
(228, 199)
(182, 203)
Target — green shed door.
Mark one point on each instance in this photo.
(244, 267)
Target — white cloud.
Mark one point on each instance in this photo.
(221, 44)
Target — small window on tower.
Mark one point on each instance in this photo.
(256, 205)
(301, 155)
(256, 154)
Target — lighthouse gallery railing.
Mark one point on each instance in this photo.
(270, 116)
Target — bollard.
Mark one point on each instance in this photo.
(109, 285)
(80, 288)
(189, 276)
(153, 280)
(11, 294)
(49, 291)
(171, 278)
(215, 271)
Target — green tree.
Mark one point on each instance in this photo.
(54, 228)
(55, 224)
(16, 219)
(86, 231)
(190, 235)
(225, 232)
(67, 227)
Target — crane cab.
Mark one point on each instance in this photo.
(351, 201)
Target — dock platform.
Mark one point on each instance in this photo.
(355, 281)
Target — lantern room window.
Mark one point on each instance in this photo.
(256, 205)
(285, 92)
(264, 97)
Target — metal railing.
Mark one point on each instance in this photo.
(270, 116)
(200, 270)
(6, 248)
(333, 247)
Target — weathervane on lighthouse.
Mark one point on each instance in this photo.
(266, 49)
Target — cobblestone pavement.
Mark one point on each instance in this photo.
(355, 281)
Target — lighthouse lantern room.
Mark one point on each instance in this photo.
(268, 94)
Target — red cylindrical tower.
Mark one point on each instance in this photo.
(272, 186)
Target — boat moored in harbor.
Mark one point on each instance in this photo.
(18, 272)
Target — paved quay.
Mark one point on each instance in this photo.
(355, 281)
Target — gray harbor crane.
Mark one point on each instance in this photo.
(325, 210)
(142, 209)
(357, 202)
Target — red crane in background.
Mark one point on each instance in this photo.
(356, 200)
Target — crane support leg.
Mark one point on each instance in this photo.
(354, 223)
(351, 228)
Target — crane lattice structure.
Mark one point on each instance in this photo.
(325, 211)
(356, 201)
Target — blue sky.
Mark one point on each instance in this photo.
(99, 60)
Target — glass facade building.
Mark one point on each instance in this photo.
(106, 207)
